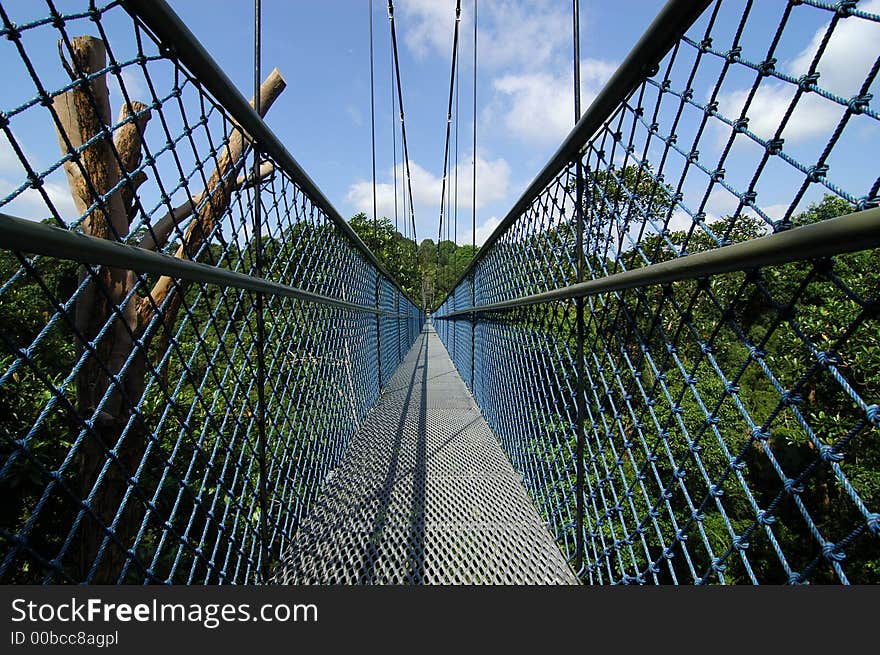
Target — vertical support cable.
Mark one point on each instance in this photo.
(412, 214)
(375, 213)
(455, 215)
(579, 304)
(397, 320)
(446, 186)
(474, 216)
(261, 328)
(394, 150)
(455, 228)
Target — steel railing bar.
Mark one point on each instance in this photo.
(20, 235)
(849, 233)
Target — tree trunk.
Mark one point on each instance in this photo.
(84, 114)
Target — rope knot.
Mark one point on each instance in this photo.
(828, 454)
(817, 173)
(858, 104)
(767, 67)
(831, 553)
(774, 146)
(807, 83)
(760, 434)
(765, 518)
(844, 8)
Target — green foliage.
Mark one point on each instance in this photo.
(395, 252)
(421, 272)
(196, 424)
(25, 312)
(209, 372)
(830, 303)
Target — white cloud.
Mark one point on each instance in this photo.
(427, 26)
(679, 220)
(721, 202)
(847, 58)
(9, 162)
(527, 44)
(426, 186)
(538, 107)
(493, 179)
(776, 212)
(594, 74)
(512, 33)
(773, 212)
(360, 195)
(720, 205)
(484, 230)
(843, 68)
(134, 86)
(523, 34)
(31, 205)
(812, 116)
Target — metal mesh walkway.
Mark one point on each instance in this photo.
(424, 495)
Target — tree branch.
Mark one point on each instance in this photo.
(128, 140)
(215, 201)
(157, 236)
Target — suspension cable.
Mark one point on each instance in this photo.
(259, 310)
(373, 133)
(455, 212)
(394, 146)
(474, 190)
(403, 133)
(448, 124)
(580, 406)
(376, 242)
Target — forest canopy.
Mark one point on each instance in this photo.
(427, 273)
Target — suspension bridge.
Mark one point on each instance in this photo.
(207, 377)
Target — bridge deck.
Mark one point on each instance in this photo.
(424, 495)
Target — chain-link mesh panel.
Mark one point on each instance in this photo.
(730, 422)
(130, 402)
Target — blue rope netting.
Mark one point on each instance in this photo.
(129, 403)
(731, 422)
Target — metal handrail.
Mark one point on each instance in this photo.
(849, 233)
(25, 236)
(183, 46)
(670, 24)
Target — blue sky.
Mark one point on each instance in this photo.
(322, 48)
(524, 82)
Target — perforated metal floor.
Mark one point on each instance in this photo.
(424, 495)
